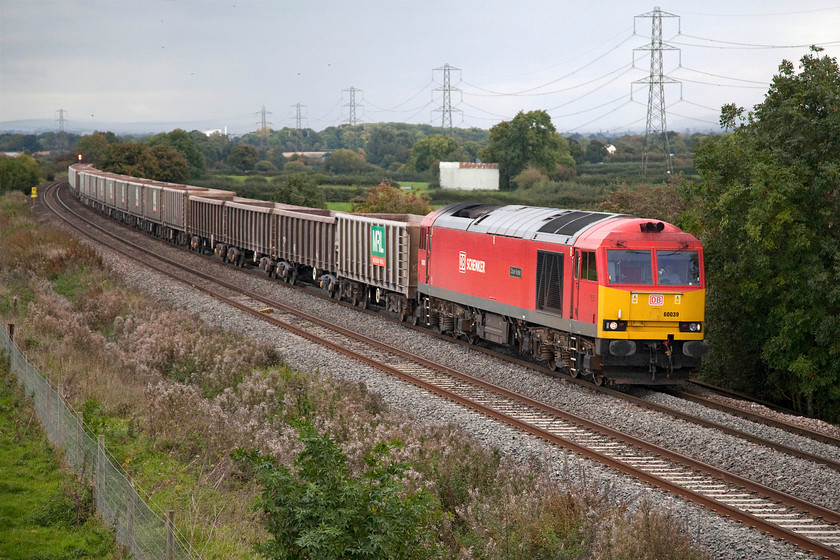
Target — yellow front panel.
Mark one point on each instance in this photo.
(650, 313)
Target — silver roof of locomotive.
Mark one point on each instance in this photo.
(525, 222)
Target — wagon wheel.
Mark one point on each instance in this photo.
(293, 274)
(415, 319)
(553, 365)
(573, 372)
(365, 303)
(598, 379)
(472, 339)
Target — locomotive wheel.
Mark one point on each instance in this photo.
(598, 379)
(574, 373)
(553, 365)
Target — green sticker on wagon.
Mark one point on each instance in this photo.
(377, 245)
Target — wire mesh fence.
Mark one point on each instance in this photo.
(143, 531)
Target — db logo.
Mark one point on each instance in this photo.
(462, 262)
(656, 299)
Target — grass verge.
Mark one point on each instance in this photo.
(46, 513)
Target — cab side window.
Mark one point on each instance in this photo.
(585, 266)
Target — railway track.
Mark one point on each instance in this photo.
(806, 525)
(759, 418)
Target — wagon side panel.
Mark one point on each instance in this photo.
(380, 252)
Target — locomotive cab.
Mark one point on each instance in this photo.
(650, 302)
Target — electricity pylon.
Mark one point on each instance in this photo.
(351, 119)
(656, 122)
(447, 89)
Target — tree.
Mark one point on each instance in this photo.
(529, 139)
(595, 151)
(169, 165)
(299, 189)
(385, 199)
(385, 146)
(214, 147)
(243, 157)
(184, 143)
(92, 146)
(345, 161)
(431, 149)
(769, 215)
(322, 512)
(18, 173)
(155, 162)
(124, 159)
(663, 201)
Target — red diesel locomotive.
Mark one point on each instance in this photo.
(613, 297)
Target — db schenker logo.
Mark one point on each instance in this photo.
(465, 264)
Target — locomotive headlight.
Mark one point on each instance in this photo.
(691, 327)
(613, 325)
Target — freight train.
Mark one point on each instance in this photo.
(610, 297)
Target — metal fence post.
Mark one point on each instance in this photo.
(132, 506)
(99, 485)
(170, 535)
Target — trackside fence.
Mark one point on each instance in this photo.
(144, 532)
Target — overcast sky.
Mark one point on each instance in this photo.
(217, 63)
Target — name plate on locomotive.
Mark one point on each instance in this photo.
(656, 300)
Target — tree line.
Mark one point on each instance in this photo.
(529, 141)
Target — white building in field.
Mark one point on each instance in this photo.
(468, 176)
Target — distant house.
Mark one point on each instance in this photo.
(314, 156)
(465, 175)
(610, 149)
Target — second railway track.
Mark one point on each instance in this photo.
(807, 525)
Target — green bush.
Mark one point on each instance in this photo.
(322, 512)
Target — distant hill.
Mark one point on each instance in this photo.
(38, 126)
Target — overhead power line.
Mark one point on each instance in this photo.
(736, 45)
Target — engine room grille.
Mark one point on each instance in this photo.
(550, 282)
